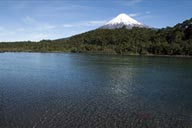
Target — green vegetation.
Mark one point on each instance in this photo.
(175, 40)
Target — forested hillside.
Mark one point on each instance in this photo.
(175, 40)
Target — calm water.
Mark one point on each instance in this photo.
(54, 90)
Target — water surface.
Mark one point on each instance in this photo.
(56, 90)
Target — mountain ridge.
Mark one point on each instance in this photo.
(122, 20)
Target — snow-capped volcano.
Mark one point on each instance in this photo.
(121, 21)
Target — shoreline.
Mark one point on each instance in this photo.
(93, 53)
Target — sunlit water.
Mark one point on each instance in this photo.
(55, 90)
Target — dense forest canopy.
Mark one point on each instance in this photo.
(175, 40)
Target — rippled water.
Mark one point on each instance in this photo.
(54, 90)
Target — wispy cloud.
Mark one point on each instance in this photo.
(30, 21)
(129, 2)
(35, 24)
(93, 23)
(134, 14)
(144, 17)
(49, 26)
(33, 29)
(132, 2)
(20, 29)
(68, 25)
(48, 8)
(40, 36)
(6, 33)
(1, 28)
(36, 30)
(147, 12)
(97, 22)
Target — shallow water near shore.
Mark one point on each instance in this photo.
(57, 90)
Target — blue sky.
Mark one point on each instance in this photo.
(51, 19)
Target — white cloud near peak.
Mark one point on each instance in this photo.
(97, 22)
(134, 14)
(68, 25)
(93, 23)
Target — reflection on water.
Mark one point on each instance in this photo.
(88, 91)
